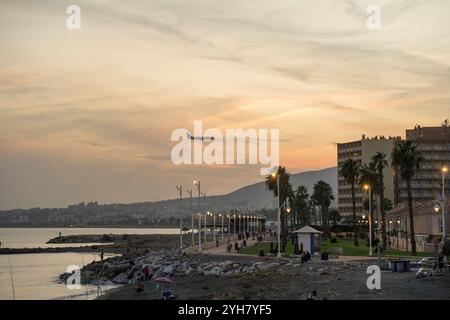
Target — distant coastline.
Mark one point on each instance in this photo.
(90, 226)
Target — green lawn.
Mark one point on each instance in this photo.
(254, 250)
(346, 245)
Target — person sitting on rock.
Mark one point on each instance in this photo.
(307, 256)
(146, 272)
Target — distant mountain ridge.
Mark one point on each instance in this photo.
(161, 213)
(258, 196)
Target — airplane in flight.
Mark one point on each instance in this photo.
(200, 138)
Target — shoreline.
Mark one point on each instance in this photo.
(107, 243)
(89, 227)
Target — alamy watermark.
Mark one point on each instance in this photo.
(73, 22)
(373, 21)
(374, 280)
(212, 147)
(74, 280)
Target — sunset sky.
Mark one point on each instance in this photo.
(86, 115)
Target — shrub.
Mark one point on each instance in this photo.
(261, 252)
(333, 240)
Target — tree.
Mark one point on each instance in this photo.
(322, 195)
(380, 163)
(369, 176)
(312, 210)
(406, 160)
(388, 205)
(350, 172)
(271, 183)
(334, 216)
(300, 205)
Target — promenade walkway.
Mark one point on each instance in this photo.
(209, 247)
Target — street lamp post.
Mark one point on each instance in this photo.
(192, 219)
(234, 225)
(198, 185)
(444, 172)
(440, 205)
(368, 189)
(240, 224)
(205, 227)
(180, 190)
(277, 175)
(214, 226)
(199, 232)
(222, 215)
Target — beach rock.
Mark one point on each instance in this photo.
(213, 272)
(264, 266)
(168, 270)
(189, 271)
(121, 278)
(274, 264)
(226, 264)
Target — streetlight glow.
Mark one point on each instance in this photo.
(436, 208)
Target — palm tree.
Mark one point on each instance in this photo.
(322, 195)
(368, 175)
(311, 205)
(285, 191)
(299, 204)
(334, 216)
(406, 160)
(350, 172)
(380, 163)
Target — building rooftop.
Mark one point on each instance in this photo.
(420, 208)
(429, 134)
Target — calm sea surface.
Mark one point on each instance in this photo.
(35, 275)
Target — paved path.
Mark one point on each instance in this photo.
(210, 247)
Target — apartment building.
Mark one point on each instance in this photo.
(434, 146)
(362, 151)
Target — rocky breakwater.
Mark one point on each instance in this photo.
(168, 263)
(156, 240)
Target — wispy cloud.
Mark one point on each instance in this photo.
(100, 103)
